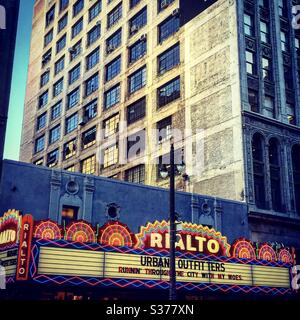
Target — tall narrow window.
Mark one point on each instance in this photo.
(259, 171)
(248, 25)
(296, 175)
(250, 63)
(275, 179)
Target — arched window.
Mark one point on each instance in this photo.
(296, 174)
(259, 171)
(275, 179)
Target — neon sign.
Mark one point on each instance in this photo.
(25, 247)
(9, 229)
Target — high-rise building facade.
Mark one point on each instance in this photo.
(9, 11)
(224, 72)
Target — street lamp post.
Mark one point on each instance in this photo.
(172, 296)
(165, 172)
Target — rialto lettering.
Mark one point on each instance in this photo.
(8, 236)
(186, 242)
(24, 248)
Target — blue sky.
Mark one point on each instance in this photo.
(15, 115)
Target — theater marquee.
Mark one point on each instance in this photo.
(112, 255)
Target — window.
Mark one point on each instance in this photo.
(62, 23)
(43, 99)
(263, 3)
(69, 149)
(168, 59)
(136, 174)
(90, 110)
(162, 4)
(136, 144)
(282, 6)
(267, 69)
(77, 7)
(138, 21)
(111, 125)
(111, 156)
(248, 25)
(74, 74)
(113, 69)
(297, 44)
(169, 92)
(88, 166)
(39, 144)
(137, 50)
(71, 123)
(75, 51)
(168, 28)
(93, 34)
(250, 63)
(89, 138)
(264, 32)
(54, 134)
(112, 97)
(133, 3)
(95, 10)
(68, 215)
(45, 77)
(39, 162)
(56, 110)
(136, 111)
(73, 98)
(58, 87)
(114, 41)
(253, 100)
(269, 106)
(275, 174)
(77, 27)
(164, 128)
(137, 80)
(71, 168)
(291, 115)
(59, 65)
(91, 85)
(63, 4)
(114, 16)
(46, 57)
(41, 121)
(259, 171)
(52, 158)
(50, 16)
(288, 78)
(296, 176)
(92, 59)
(61, 43)
(48, 38)
(284, 41)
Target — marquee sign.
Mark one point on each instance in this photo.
(192, 238)
(9, 229)
(112, 255)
